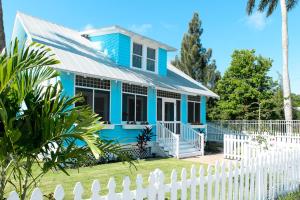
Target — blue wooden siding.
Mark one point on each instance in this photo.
(151, 105)
(162, 62)
(184, 106)
(68, 82)
(116, 102)
(117, 46)
(203, 110)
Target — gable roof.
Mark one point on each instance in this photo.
(119, 29)
(78, 55)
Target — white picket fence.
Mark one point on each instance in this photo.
(278, 128)
(266, 176)
(238, 146)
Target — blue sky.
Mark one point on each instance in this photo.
(226, 25)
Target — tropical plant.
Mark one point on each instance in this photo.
(144, 137)
(39, 126)
(2, 34)
(270, 6)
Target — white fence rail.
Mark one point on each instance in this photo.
(216, 129)
(266, 177)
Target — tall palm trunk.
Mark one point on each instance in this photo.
(2, 34)
(287, 102)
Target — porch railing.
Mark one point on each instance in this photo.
(167, 138)
(193, 137)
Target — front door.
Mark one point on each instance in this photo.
(169, 114)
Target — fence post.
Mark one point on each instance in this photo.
(139, 188)
(177, 146)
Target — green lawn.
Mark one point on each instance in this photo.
(117, 170)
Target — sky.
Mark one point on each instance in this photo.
(225, 23)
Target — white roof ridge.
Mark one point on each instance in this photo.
(19, 13)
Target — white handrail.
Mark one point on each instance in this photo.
(168, 139)
(195, 138)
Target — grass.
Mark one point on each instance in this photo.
(291, 196)
(118, 170)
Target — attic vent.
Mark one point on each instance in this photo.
(92, 82)
(194, 98)
(85, 36)
(173, 95)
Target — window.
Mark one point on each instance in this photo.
(137, 55)
(159, 109)
(166, 94)
(151, 59)
(193, 112)
(134, 103)
(178, 113)
(96, 94)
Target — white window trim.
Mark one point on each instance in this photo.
(194, 102)
(135, 94)
(144, 56)
(98, 89)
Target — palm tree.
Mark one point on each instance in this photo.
(270, 6)
(2, 34)
(39, 123)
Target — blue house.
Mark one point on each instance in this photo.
(125, 78)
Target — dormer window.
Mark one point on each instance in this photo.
(144, 57)
(137, 55)
(151, 59)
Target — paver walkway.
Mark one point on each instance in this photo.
(208, 159)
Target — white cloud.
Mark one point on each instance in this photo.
(257, 21)
(168, 26)
(142, 29)
(88, 27)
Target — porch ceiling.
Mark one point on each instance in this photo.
(78, 55)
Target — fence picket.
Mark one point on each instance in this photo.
(217, 180)
(201, 183)
(126, 193)
(78, 191)
(59, 193)
(13, 196)
(229, 194)
(173, 185)
(183, 184)
(36, 194)
(223, 181)
(193, 183)
(139, 194)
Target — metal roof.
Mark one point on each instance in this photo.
(78, 55)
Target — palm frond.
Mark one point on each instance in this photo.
(250, 6)
(263, 5)
(272, 6)
(290, 4)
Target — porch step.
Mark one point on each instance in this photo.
(185, 150)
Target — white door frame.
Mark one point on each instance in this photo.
(168, 100)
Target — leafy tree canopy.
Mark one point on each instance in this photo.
(245, 87)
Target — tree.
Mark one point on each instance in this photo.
(2, 34)
(39, 126)
(194, 59)
(285, 5)
(246, 87)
